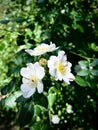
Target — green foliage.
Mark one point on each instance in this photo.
(51, 97)
(25, 114)
(73, 26)
(80, 81)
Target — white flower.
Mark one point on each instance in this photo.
(32, 79)
(62, 11)
(41, 49)
(55, 119)
(60, 68)
(69, 108)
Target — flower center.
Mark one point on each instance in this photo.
(41, 48)
(61, 68)
(34, 80)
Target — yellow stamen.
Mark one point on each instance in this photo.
(61, 68)
(34, 80)
(41, 48)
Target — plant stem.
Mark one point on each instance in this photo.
(87, 58)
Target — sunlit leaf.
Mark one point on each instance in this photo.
(83, 63)
(80, 81)
(94, 62)
(51, 99)
(94, 72)
(83, 72)
(38, 109)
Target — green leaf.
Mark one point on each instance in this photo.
(9, 102)
(2, 46)
(8, 88)
(52, 90)
(26, 113)
(40, 1)
(83, 72)
(4, 21)
(83, 63)
(91, 81)
(95, 62)
(21, 99)
(45, 126)
(38, 109)
(35, 126)
(94, 47)
(51, 99)
(80, 81)
(81, 29)
(40, 125)
(4, 90)
(94, 72)
(19, 20)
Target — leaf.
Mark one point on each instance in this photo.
(2, 46)
(95, 62)
(40, 1)
(94, 72)
(80, 81)
(4, 90)
(52, 90)
(8, 88)
(9, 101)
(45, 126)
(25, 114)
(19, 20)
(94, 47)
(83, 72)
(4, 21)
(51, 99)
(35, 126)
(83, 63)
(16, 70)
(38, 109)
(91, 81)
(40, 125)
(21, 99)
(81, 29)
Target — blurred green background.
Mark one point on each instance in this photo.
(72, 25)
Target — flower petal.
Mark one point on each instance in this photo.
(52, 72)
(59, 76)
(61, 54)
(27, 90)
(30, 51)
(39, 70)
(55, 119)
(60, 68)
(52, 61)
(28, 71)
(40, 87)
(25, 72)
(31, 68)
(71, 77)
(52, 47)
(41, 49)
(26, 81)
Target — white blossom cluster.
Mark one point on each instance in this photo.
(33, 74)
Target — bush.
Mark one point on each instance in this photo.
(72, 26)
